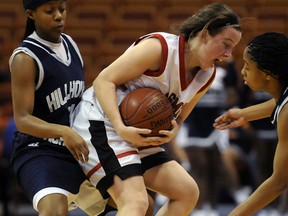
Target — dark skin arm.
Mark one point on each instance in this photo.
(23, 72)
(270, 189)
(238, 117)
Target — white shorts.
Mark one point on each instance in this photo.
(109, 154)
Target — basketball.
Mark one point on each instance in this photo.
(147, 108)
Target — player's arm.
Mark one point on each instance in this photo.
(23, 73)
(130, 65)
(185, 111)
(187, 108)
(237, 117)
(270, 189)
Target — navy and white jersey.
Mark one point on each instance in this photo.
(280, 104)
(59, 84)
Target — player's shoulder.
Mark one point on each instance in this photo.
(21, 58)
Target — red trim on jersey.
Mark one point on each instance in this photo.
(164, 55)
(184, 85)
(209, 81)
(92, 171)
(98, 166)
(124, 154)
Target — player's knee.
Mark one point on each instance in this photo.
(56, 211)
(53, 205)
(136, 205)
(190, 194)
(143, 205)
(142, 202)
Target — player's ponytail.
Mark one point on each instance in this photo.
(30, 26)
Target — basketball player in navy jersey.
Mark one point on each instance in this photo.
(182, 67)
(265, 68)
(47, 84)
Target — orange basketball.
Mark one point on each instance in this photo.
(147, 108)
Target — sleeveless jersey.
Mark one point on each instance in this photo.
(170, 79)
(280, 104)
(108, 152)
(59, 86)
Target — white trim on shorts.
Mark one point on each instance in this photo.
(88, 199)
(53, 190)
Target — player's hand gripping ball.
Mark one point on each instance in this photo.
(147, 108)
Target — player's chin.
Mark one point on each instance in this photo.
(207, 66)
(57, 32)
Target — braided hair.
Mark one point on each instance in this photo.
(270, 52)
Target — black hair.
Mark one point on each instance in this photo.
(270, 52)
(30, 26)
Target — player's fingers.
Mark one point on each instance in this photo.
(156, 141)
(174, 123)
(150, 141)
(75, 155)
(168, 134)
(144, 131)
(85, 152)
(219, 119)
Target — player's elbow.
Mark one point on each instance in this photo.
(281, 181)
(20, 122)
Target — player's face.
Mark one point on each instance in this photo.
(218, 47)
(49, 19)
(252, 75)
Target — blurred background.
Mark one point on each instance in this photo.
(227, 168)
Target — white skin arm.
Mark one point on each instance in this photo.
(238, 117)
(132, 64)
(270, 189)
(23, 72)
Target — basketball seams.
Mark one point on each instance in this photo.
(164, 109)
(154, 116)
(147, 108)
(137, 93)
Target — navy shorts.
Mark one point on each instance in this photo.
(48, 171)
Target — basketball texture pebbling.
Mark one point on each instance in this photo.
(147, 108)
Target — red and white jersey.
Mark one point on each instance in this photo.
(170, 79)
(108, 152)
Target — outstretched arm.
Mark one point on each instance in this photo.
(270, 189)
(237, 117)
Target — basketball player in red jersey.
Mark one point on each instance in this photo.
(182, 67)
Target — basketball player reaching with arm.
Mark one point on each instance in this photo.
(265, 68)
(47, 84)
(122, 163)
